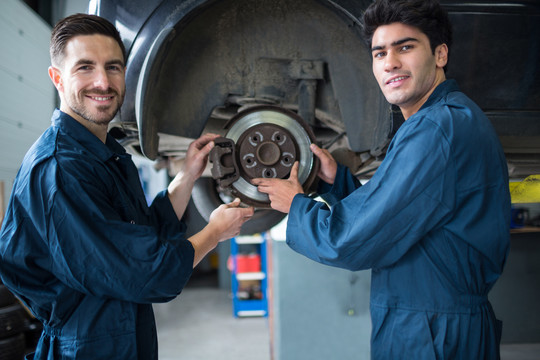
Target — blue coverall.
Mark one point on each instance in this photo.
(432, 224)
(82, 249)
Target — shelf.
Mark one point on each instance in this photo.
(246, 240)
(246, 313)
(248, 273)
(250, 276)
(525, 229)
(252, 308)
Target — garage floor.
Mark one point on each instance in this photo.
(199, 325)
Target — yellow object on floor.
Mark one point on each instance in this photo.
(526, 191)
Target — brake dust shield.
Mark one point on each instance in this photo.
(262, 142)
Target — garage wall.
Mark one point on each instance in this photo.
(28, 96)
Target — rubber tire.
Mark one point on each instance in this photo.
(13, 348)
(33, 332)
(206, 198)
(13, 320)
(6, 297)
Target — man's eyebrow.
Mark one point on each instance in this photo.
(395, 43)
(115, 62)
(84, 62)
(91, 62)
(404, 40)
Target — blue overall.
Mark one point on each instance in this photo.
(432, 224)
(82, 249)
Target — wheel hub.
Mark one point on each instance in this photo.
(267, 151)
(262, 142)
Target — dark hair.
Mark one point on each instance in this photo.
(427, 15)
(80, 24)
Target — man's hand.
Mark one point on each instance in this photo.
(328, 169)
(280, 191)
(225, 222)
(228, 219)
(179, 190)
(197, 156)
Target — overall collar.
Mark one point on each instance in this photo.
(440, 91)
(81, 134)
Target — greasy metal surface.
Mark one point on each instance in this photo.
(276, 116)
(309, 57)
(255, 49)
(223, 158)
(241, 47)
(267, 151)
(268, 142)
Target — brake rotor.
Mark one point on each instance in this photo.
(267, 141)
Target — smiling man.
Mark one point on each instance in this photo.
(405, 66)
(79, 245)
(433, 222)
(89, 77)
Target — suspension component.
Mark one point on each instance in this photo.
(262, 142)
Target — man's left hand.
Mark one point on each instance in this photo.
(280, 191)
(197, 156)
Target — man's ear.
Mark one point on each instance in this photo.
(56, 77)
(441, 55)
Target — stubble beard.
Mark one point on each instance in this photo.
(99, 115)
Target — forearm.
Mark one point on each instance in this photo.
(179, 192)
(225, 222)
(203, 242)
(192, 167)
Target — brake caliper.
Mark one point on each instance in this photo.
(262, 142)
(223, 159)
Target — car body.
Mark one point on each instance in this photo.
(194, 64)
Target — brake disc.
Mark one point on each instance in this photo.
(262, 142)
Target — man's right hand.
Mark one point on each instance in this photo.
(225, 222)
(328, 169)
(228, 219)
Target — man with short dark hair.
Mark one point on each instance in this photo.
(433, 221)
(79, 245)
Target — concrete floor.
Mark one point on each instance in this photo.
(520, 351)
(199, 325)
